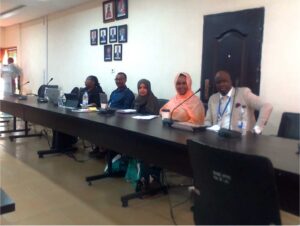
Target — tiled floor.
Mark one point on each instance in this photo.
(53, 190)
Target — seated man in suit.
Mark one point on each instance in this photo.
(122, 97)
(233, 108)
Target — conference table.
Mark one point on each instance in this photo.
(163, 146)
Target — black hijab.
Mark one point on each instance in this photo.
(146, 104)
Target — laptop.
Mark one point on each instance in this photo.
(72, 101)
(52, 94)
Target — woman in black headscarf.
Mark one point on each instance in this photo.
(146, 102)
(141, 175)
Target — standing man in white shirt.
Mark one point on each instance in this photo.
(233, 108)
(11, 74)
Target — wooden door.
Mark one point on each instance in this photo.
(232, 41)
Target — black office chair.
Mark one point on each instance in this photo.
(162, 102)
(289, 126)
(76, 91)
(233, 188)
(288, 186)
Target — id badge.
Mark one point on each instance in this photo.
(240, 124)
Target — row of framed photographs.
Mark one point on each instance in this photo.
(113, 34)
(115, 10)
(109, 52)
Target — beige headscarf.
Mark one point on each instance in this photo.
(192, 110)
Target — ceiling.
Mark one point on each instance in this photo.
(26, 10)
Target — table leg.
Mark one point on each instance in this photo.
(109, 172)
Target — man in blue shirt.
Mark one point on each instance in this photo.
(122, 97)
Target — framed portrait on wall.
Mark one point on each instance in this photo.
(108, 53)
(94, 37)
(118, 52)
(113, 34)
(121, 9)
(122, 33)
(108, 11)
(103, 36)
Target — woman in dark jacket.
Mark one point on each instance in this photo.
(65, 142)
(93, 89)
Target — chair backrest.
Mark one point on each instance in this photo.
(289, 125)
(75, 90)
(234, 188)
(41, 90)
(162, 102)
(72, 98)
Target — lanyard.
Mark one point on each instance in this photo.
(220, 115)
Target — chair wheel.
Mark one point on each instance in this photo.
(11, 139)
(90, 183)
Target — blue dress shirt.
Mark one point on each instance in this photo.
(121, 98)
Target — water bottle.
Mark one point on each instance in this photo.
(46, 94)
(61, 99)
(243, 122)
(85, 99)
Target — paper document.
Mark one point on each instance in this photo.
(83, 110)
(215, 128)
(145, 117)
(126, 111)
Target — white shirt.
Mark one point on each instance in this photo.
(224, 119)
(8, 73)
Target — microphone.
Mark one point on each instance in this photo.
(23, 97)
(228, 133)
(170, 121)
(49, 81)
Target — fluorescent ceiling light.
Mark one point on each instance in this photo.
(11, 12)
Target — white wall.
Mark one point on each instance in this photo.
(2, 37)
(165, 37)
(12, 36)
(33, 34)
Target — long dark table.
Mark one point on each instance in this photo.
(149, 140)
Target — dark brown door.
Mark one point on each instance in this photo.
(232, 42)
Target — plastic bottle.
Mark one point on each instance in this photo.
(243, 122)
(61, 99)
(46, 94)
(85, 99)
